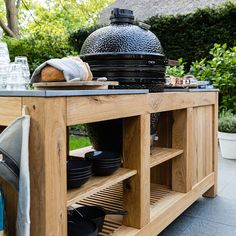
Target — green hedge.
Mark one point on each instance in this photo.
(192, 36)
(188, 36)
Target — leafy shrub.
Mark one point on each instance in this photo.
(177, 71)
(40, 47)
(77, 38)
(189, 36)
(221, 71)
(227, 123)
(192, 35)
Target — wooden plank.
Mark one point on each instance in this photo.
(136, 155)
(182, 139)
(161, 174)
(203, 145)
(174, 101)
(164, 217)
(159, 155)
(98, 108)
(48, 165)
(98, 183)
(10, 109)
(78, 83)
(212, 192)
(161, 216)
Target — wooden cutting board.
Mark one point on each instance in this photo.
(79, 85)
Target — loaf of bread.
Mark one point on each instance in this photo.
(51, 74)
(72, 67)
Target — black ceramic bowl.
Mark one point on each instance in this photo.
(78, 174)
(78, 177)
(104, 171)
(76, 183)
(77, 165)
(102, 156)
(104, 165)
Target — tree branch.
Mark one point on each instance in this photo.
(6, 29)
(18, 2)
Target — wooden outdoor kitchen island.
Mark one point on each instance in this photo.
(155, 186)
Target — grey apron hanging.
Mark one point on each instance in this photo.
(14, 168)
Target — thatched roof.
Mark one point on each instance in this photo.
(143, 9)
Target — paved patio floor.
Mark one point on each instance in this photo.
(211, 217)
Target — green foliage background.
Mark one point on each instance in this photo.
(45, 28)
(220, 69)
(188, 36)
(192, 36)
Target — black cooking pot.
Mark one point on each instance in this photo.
(81, 227)
(95, 214)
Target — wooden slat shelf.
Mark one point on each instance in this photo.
(98, 183)
(160, 155)
(112, 199)
(162, 202)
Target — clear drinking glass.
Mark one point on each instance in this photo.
(25, 67)
(4, 54)
(4, 73)
(16, 80)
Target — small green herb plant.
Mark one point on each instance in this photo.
(227, 123)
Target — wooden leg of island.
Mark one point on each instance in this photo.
(136, 154)
(48, 166)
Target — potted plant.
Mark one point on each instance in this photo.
(227, 135)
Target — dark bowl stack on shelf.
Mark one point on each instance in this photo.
(104, 163)
(78, 172)
(97, 163)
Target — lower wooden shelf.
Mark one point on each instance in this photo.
(165, 206)
(112, 199)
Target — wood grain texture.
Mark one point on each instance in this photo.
(174, 101)
(160, 219)
(203, 143)
(48, 166)
(160, 155)
(165, 206)
(212, 192)
(98, 183)
(182, 139)
(10, 109)
(98, 108)
(136, 155)
(161, 174)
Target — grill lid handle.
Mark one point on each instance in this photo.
(122, 16)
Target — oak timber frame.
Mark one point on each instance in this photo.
(185, 162)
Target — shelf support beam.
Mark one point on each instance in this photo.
(182, 139)
(136, 155)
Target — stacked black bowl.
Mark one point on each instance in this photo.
(104, 163)
(78, 172)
